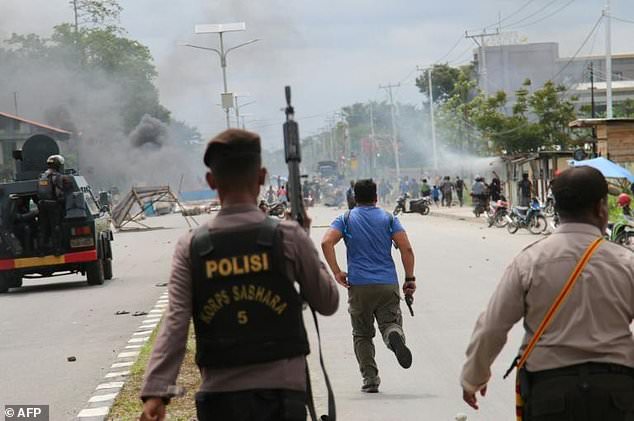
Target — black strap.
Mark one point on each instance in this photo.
(332, 411)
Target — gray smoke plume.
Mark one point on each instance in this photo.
(150, 131)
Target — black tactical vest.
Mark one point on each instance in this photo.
(47, 185)
(245, 310)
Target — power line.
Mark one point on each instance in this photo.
(547, 16)
(622, 19)
(585, 41)
(537, 12)
(512, 14)
(460, 39)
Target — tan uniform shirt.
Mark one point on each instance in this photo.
(301, 264)
(593, 324)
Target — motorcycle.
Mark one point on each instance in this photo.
(622, 232)
(530, 218)
(415, 206)
(277, 209)
(497, 212)
(479, 204)
(549, 206)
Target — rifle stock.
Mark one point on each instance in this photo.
(293, 159)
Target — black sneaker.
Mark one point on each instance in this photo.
(403, 354)
(371, 385)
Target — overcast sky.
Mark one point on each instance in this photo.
(333, 53)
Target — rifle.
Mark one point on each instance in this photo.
(298, 213)
(293, 159)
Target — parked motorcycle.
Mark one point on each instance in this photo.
(530, 218)
(622, 232)
(549, 206)
(497, 212)
(404, 205)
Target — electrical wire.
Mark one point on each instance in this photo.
(512, 14)
(585, 41)
(548, 5)
(547, 16)
(622, 19)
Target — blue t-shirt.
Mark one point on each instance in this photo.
(369, 245)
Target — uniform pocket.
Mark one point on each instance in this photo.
(552, 408)
(623, 402)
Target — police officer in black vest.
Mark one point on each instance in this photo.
(50, 195)
(236, 276)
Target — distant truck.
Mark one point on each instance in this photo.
(327, 169)
(85, 228)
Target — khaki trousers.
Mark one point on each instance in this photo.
(367, 303)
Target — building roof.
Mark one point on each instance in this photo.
(593, 122)
(36, 124)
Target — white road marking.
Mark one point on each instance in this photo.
(134, 347)
(111, 385)
(137, 340)
(162, 301)
(147, 327)
(144, 333)
(117, 374)
(128, 354)
(94, 412)
(150, 321)
(156, 311)
(103, 398)
(121, 365)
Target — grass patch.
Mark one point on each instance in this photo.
(128, 406)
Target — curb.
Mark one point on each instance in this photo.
(99, 404)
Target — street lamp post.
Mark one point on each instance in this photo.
(220, 29)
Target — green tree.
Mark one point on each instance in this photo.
(444, 80)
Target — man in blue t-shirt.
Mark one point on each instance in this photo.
(371, 280)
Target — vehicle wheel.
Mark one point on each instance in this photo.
(500, 220)
(512, 226)
(94, 273)
(6, 282)
(424, 210)
(397, 211)
(625, 239)
(538, 224)
(107, 269)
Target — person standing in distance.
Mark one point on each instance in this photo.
(372, 283)
(50, 204)
(582, 367)
(235, 277)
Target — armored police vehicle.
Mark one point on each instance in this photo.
(83, 228)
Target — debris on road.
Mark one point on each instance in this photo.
(161, 284)
(120, 312)
(71, 359)
(139, 313)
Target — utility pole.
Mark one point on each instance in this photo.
(592, 110)
(608, 59)
(397, 158)
(483, 57)
(372, 141)
(76, 11)
(15, 103)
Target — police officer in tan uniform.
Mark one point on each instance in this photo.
(582, 367)
(235, 277)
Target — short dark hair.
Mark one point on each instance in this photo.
(234, 155)
(577, 191)
(365, 191)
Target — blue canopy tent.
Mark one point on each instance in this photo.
(608, 168)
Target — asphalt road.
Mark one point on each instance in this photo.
(49, 320)
(458, 265)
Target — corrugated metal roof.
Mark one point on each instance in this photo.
(35, 123)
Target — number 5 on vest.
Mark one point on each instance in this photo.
(243, 319)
